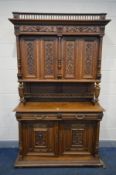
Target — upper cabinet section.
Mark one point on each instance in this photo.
(59, 47)
(58, 58)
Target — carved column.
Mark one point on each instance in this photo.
(96, 136)
(97, 128)
(21, 92)
(99, 58)
(19, 75)
(96, 92)
(59, 62)
(20, 141)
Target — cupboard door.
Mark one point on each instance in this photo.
(39, 138)
(76, 138)
(59, 58)
(48, 57)
(89, 51)
(28, 52)
(70, 55)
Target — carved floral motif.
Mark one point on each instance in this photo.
(77, 137)
(72, 29)
(30, 58)
(69, 60)
(49, 58)
(88, 60)
(40, 138)
(76, 29)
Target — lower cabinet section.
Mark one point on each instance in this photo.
(61, 141)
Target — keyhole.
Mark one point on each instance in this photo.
(40, 136)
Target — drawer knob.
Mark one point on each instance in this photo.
(80, 117)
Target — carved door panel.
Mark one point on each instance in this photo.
(70, 55)
(76, 138)
(40, 138)
(48, 57)
(88, 62)
(28, 51)
(51, 57)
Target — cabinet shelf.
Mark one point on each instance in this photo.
(59, 107)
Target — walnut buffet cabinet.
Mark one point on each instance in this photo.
(59, 71)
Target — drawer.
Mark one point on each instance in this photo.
(59, 116)
(82, 116)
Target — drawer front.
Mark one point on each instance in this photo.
(58, 116)
(82, 116)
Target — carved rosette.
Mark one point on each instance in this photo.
(40, 138)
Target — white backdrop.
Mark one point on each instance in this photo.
(8, 65)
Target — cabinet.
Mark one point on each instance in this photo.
(55, 57)
(59, 71)
(54, 138)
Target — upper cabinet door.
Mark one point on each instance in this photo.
(28, 57)
(55, 57)
(48, 57)
(88, 59)
(70, 57)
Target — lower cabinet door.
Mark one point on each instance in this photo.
(77, 138)
(56, 138)
(39, 138)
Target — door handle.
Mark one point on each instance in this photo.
(39, 117)
(80, 116)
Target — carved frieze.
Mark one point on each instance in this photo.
(61, 29)
(60, 95)
(76, 29)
